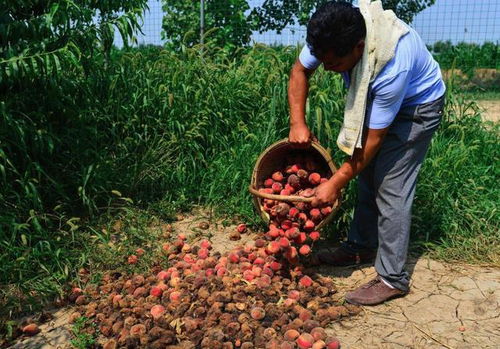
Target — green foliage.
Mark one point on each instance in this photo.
(41, 38)
(226, 21)
(83, 339)
(277, 14)
(466, 56)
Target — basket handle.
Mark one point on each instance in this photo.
(292, 198)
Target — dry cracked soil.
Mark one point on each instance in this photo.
(450, 305)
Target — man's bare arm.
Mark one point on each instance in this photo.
(298, 89)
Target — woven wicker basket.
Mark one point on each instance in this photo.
(278, 155)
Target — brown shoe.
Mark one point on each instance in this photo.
(343, 257)
(373, 293)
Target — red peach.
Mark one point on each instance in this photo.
(294, 294)
(241, 228)
(314, 235)
(165, 247)
(248, 275)
(319, 345)
(268, 183)
(30, 330)
(292, 233)
(275, 266)
(302, 217)
(132, 259)
(325, 211)
(175, 296)
(305, 250)
(206, 244)
(286, 224)
(305, 341)
(315, 214)
(157, 311)
(257, 313)
(266, 190)
(277, 176)
(289, 188)
(332, 343)
(155, 291)
(260, 243)
(289, 302)
(221, 272)
(309, 225)
(233, 258)
(300, 239)
(305, 281)
(273, 247)
(315, 178)
(277, 187)
(259, 260)
(268, 271)
(308, 192)
(182, 236)
(203, 253)
(291, 253)
(257, 271)
(294, 212)
(305, 315)
(285, 192)
(163, 275)
(209, 272)
(139, 252)
(284, 243)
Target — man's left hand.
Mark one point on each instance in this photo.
(325, 194)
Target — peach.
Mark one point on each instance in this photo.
(268, 271)
(182, 236)
(318, 345)
(302, 174)
(305, 341)
(277, 187)
(221, 272)
(241, 228)
(175, 296)
(206, 244)
(209, 272)
(291, 335)
(275, 266)
(300, 239)
(266, 190)
(325, 211)
(314, 178)
(139, 252)
(309, 225)
(332, 343)
(305, 315)
(30, 330)
(248, 275)
(293, 181)
(156, 291)
(268, 183)
(289, 188)
(284, 243)
(259, 260)
(294, 294)
(318, 333)
(233, 257)
(256, 271)
(282, 209)
(314, 235)
(305, 250)
(138, 330)
(305, 281)
(286, 224)
(257, 313)
(157, 311)
(291, 253)
(165, 247)
(293, 212)
(132, 259)
(302, 217)
(315, 214)
(289, 302)
(285, 192)
(277, 176)
(203, 253)
(307, 193)
(163, 275)
(186, 248)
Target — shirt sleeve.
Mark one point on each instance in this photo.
(387, 98)
(307, 59)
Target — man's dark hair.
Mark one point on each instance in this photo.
(336, 26)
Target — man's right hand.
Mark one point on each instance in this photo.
(300, 136)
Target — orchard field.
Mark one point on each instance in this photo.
(101, 148)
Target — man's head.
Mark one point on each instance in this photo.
(335, 35)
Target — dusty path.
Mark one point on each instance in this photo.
(449, 306)
(490, 109)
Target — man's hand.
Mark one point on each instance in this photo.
(326, 194)
(300, 136)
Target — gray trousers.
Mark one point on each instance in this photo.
(386, 188)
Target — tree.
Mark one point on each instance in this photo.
(277, 14)
(39, 37)
(225, 20)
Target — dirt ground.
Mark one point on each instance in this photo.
(491, 109)
(449, 305)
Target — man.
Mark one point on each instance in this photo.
(404, 107)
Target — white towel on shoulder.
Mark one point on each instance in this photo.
(383, 30)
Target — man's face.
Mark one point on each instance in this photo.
(331, 62)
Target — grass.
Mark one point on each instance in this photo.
(155, 132)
